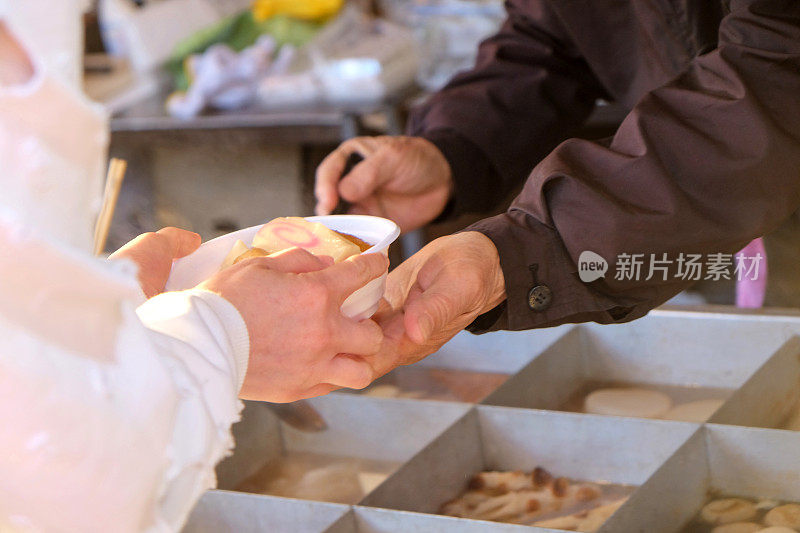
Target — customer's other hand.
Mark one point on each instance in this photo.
(154, 253)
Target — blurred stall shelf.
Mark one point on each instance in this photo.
(141, 128)
(317, 124)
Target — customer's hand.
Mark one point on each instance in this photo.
(437, 293)
(300, 343)
(405, 179)
(154, 253)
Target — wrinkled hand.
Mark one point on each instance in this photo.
(437, 293)
(405, 179)
(300, 343)
(154, 253)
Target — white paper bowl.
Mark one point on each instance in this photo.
(379, 232)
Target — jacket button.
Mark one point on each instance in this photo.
(540, 298)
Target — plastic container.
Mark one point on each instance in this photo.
(379, 232)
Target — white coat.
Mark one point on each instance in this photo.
(113, 412)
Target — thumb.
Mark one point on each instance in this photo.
(434, 306)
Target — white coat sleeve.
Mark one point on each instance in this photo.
(205, 344)
(113, 416)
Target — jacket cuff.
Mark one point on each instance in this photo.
(234, 326)
(473, 176)
(532, 255)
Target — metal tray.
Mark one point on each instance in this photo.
(441, 444)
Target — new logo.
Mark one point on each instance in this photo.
(591, 266)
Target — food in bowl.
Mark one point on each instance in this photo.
(376, 234)
(294, 232)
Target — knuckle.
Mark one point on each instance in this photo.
(320, 335)
(154, 241)
(150, 237)
(359, 375)
(441, 306)
(315, 294)
(349, 146)
(362, 266)
(361, 381)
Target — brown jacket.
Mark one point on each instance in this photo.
(707, 159)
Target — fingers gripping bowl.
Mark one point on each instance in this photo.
(377, 232)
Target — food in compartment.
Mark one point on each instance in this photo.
(668, 402)
(698, 411)
(441, 384)
(738, 527)
(631, 401)
(784, 515)
(743, 515)
(294, 232)
(728, 510)
(320, 477)
(588, 521)
(538, 498)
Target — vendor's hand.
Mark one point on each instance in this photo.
(300, 343)
(437, 293)
(154, 253)
(405, 179)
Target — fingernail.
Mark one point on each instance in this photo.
(425, 326)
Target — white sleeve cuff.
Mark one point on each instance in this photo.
(234, 325)
(204, 320)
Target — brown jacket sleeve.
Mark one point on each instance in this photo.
(701, 165)
(527, 92)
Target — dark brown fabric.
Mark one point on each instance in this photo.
(707, 159)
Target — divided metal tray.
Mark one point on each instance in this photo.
(438, 445)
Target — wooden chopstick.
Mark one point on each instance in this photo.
(116, 174)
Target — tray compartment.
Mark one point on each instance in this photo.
(693, 357)
(718, 460)
(581, 447)
(361, 432)
(771, 397)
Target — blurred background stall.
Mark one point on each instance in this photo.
(224, 108)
